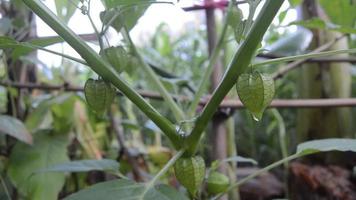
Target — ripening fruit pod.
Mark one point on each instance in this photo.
(117, 57)
(159, 155)
(256, 92)
(217, 183)
(190, 173)
(99, 95)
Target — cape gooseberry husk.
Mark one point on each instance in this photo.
(217, 183)
(159, 155)
(99, 95)
(117, 57)
(256, 91)
(190, 173)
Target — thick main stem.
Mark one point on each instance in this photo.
(237, 66)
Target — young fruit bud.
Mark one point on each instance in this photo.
(256, 92)
(190, 173)
(217, 183)
(99, 95)
(117, 57)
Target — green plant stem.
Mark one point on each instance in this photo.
(303, 56)
(213, 59)
(103, 69)
(177, 112)
(238, 65)
(259, 172)
(6, 190)
(56, 53)
(98, 35)
(169, 164)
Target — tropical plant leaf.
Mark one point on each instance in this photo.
(24, 48)
(84, 166)
(317, 23)
(15, 128)
(48, 149)
(126, 189)
(333, 144)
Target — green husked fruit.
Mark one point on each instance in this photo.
(217, 183)
(99, 95)
(190, 173)
(117, 57)
(256, 92)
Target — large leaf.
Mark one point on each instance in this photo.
(84, 166)
(15, 128)
(116, 3)
(126, 189)
(317, 23)
(48, 149)
(24, 48)
(333, 144)
(129, 12)
(340, 12)
(61, 107)
(291, 44)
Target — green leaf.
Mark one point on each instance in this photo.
(116, 3)
(333, 144)
(256, 92)
(295, 3)
(126, 189)
(340, 12)
(317, 23)
(291, 44)
(84, 166)
(48, 149)
(15, 128)
(41, 117)
(66, 8)
(129, 12)
(24, 48)
(240, 159)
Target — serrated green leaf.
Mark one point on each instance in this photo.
(48, 149)
(126, 189)
(256, 91)
(323, 145)
(15, 128)
(83, 166)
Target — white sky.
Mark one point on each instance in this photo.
(174, 16)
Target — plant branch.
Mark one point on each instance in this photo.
(227, 103)
(102, 68)
(177, 112)
(238, 65)
(259, 172)
(213, 59)
(281, 72)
